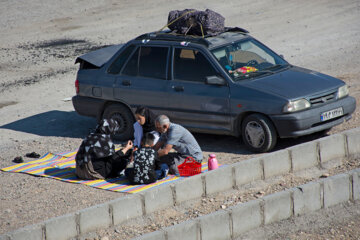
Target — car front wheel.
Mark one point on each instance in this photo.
(124, 117)
(258, 133)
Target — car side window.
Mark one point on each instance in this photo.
(191, 65)
(131, 68)
(118, 63)
(148, 62)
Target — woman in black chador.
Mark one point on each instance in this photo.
(97, 158)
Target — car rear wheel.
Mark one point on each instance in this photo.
(258, 133)
(124, 117)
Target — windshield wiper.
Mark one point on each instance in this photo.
(273, 67)
(252, 74)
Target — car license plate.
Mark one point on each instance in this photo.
(331, 114)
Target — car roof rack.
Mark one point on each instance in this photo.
(171, 36)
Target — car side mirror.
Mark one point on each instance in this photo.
(282, 56)
(215, 80)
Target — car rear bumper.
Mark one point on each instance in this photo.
(308, 122)
(87, 106)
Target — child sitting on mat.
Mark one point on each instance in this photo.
(145, 162)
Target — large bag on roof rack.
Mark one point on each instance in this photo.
(194, 22)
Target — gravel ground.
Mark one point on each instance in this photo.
(38, 46)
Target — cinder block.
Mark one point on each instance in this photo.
(95, 217)
(218, 180)
(356, 184)
(63, 227)
(189, 188)
(158, 198)
(247, 171)
(215, 226)
(246, 216)
(28, 232)
(277, 207)
(304, 156)
(353, 141)
(158, 235)
(276, 163)
(4, 237)
(125, 208)
(336, 190)
(332, 147)
(187, 230)
(307, 198)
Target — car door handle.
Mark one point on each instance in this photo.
(178, 88)
(126, 83)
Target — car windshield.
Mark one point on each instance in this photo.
(248, 58)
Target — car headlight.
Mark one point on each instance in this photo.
(342, 91)
(297, 105)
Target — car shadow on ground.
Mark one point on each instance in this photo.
(54, 123)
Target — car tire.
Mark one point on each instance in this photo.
(258, 133)
(124, 117)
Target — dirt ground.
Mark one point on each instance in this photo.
(40, 41)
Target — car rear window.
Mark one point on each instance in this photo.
(116, 66)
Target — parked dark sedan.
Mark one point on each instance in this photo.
(226, 84)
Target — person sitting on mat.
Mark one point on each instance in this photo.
(175, 136)
(145, 162)
(145, 122)
(97, 158)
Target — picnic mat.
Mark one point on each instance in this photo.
(61, 166)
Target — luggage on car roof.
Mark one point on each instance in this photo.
(194, 22)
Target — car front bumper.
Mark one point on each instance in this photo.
(308, 121)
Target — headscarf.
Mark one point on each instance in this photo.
(98, 144)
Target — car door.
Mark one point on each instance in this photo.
(195, 104)
(143, 79)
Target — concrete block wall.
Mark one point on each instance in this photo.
(307, 198)
(188, 230)
(215, 226)
(277, 207)
(276, 163)
(337, 189)
(248, 171)
(246, 216)
(63, 227)
(303, 156)
(28, 232)
(93, 218)
(126, 208)
(243, 217)
(353, 141)
(332, 147)
(188, 189)
(356, 184)
(218, 180)
(158, 198)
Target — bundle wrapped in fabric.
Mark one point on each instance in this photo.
(194, 22)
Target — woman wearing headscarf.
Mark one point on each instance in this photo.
(97, 158)
(145, 123)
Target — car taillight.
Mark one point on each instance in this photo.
(77, 86)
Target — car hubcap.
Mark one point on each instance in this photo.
(254, 134)
(122, 123)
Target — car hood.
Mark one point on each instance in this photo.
(295, 82)
(101, 56)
